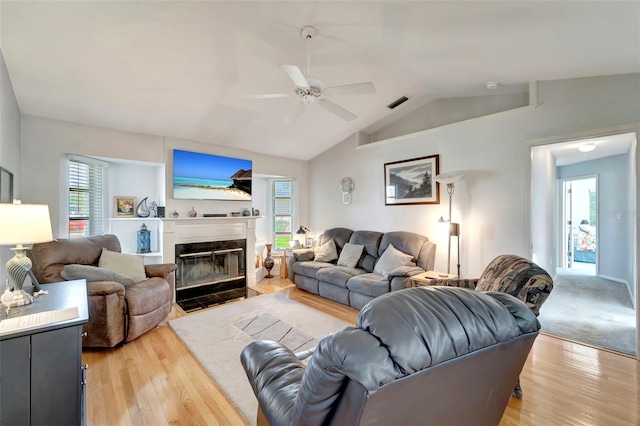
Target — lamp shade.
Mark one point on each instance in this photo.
(449, 177)
(24, 224)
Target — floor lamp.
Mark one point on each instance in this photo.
(454, 228)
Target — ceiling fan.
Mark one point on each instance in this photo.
(312, 90)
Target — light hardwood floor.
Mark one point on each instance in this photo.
(155, 380)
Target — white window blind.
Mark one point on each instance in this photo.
(85, 198)
(282, 213)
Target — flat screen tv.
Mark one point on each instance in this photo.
(198, 176)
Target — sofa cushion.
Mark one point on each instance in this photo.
(309, 268)
(337, 275)
(326, 252)
(340, 236)
(93, 273)
(350, 255)
(370, 284)
(391, 259)
(130, 265)
(371, 241)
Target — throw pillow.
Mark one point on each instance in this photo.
(130, 265)
(350, 255)
(303, 254)
(326, 252)
(391, 259)
(93, 273)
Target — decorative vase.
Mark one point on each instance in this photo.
(268, 261)
(246, 212)
(193, 212)
(142, 210)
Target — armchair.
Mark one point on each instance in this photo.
(516, 276)
(117, 313)
(412, 359)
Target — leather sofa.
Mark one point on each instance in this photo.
(419, 356)
(117, 314)
(359, 285)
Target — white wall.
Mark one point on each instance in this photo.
(543, 208)
(10, 135)
(492, 202)
(45, 143)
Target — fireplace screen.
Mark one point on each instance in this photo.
(202, 264)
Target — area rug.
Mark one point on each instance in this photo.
(592, 310)
(217, 336)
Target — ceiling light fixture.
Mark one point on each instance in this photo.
(492, 85)
(587, 147)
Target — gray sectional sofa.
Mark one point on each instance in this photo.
(356, 286)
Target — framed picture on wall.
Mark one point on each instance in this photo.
(6, 186)
(412, 181)
(124, 206)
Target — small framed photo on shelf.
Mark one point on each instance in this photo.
(124, 206)
(309, 242)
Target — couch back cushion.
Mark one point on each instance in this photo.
(371, 242)
(339, 235)
(416, 245)
(50, 258)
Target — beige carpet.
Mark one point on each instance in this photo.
(217, 336)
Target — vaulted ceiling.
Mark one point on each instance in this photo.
(178, 68)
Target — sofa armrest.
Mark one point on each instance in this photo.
(104, 288)
(161, 270)
(274, 373)
(461, 282)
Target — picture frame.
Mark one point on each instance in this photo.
(124, 206)
(309, 242)
(6, 186)
(412, 181)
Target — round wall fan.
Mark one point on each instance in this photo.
(312, 90)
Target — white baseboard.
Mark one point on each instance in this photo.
(619, 280)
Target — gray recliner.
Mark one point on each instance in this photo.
(419, 356)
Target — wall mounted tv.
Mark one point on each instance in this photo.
(198, 176)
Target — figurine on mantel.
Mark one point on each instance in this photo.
(193, 212)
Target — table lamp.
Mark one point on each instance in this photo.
(23, 224)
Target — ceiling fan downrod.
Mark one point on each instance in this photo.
(307, 33)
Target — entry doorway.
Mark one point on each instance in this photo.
(580, 216)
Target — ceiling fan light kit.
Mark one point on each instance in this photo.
(312, 90)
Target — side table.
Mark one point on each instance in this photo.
(431, 278)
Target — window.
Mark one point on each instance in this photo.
(85, 197)
(282, 191)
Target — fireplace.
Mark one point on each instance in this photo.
(210, 272)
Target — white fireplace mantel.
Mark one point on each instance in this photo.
(205, 229)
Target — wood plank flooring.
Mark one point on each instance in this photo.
(155, 380)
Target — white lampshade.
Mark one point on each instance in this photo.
(24, 224)
(449, 177)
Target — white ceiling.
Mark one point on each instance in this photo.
(178, 68)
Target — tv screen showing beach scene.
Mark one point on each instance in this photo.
(198, 176)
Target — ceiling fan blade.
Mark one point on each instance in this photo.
(296, 75)
(295, 113)
(268, 96)
(351, 89)
(337, 110)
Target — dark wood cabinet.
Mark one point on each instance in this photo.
(41, 373)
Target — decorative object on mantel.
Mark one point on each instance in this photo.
(256, 212)
(124, 206)
(346, 186)
(161, 210)
(235, 214)
(175, 213)
(268, 261)
(412, 181)
(144, 240)
(153, 206)
(142, 210)
(23, 224)
(193, 212)
(246, 212)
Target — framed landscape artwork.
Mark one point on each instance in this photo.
(124, 206)
(412, 181)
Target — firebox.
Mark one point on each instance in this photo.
(210, 273)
